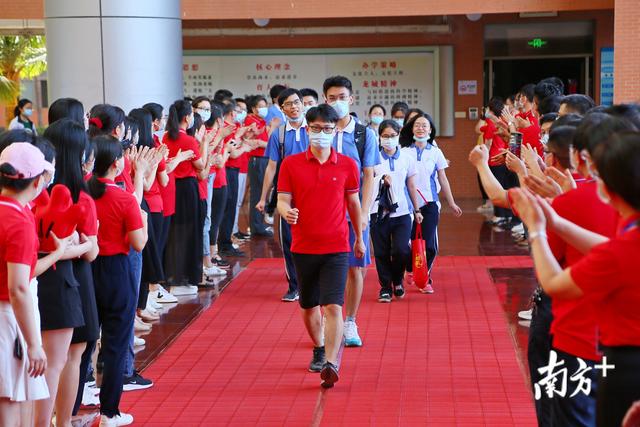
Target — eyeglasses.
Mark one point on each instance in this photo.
(290, 104)
(325, 129)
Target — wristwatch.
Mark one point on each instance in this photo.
(416, 211)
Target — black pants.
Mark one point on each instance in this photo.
(430, 218)
(390, 238)
(508, 180)
(485, 197)
(289, 265)
(538, 350)
(322, 278)
(164, 236)
(620, 388)
(116, 300)
(218, 205)
(226, 226)
(85, 364)
(257, 167)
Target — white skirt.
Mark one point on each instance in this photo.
(15, 382)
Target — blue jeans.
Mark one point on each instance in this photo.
(206, 247)
(135, 259)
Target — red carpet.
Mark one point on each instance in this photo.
(438, 360)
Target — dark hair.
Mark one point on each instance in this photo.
(337, 81)
(631, 112)
(527, 91)
(69, 108)
(309, 92)
(143, 119)
(400, 106)
(197, 124)
(46, 148)
(555, 81)
(406, 134)
(69, 139)
(547, 118)
(545, 89)
(21, 104)
(16, 184)
(275, 91)
(599, 109)
(496, 105)
(618, 162)
(414, 110)
(596, 128)
(254, 100)
(322, 112)
(108, 150)
(222, 95)
(110, 117)
(286, 94)
(131, 126)
(570, 119)
(228, 108)
(578, 103)
(561, 140)
(511, 98)
(550, 104)
(155, 109)
(15, 135)
(198, 100)
(240, 100)
(384, 111)
(216, 113)
(177, 112)
(388, 124)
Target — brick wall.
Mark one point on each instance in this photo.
(627, 51)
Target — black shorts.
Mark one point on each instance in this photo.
(321, 278)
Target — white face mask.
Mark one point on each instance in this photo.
(206, 115)
(341, 107)
(389, 143)
(544, 139)
(421, 139)
(400, 121)
(263, 111)
(190, 121)
(320, 139)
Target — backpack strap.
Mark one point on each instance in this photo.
(360, 138)
(281, 131)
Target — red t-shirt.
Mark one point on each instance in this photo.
(319, 192)
(18, 240)
(202, 188)
(574, 320)
(238, 162)
(153, 196)
(609, 274)
(125, 176)
(262, 134)
(497, 143)
(88, 225)
(118, 213)
(184, 143)
(221, 173)
(531, 134)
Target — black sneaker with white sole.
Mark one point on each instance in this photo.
(318, 360)
(329, 375)
(384, 296)
(136, 382)
(398, 291)
(291, 296)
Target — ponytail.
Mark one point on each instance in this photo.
(177, 112)
(108, 150)
(21, 104)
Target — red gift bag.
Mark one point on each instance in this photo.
(419, 259)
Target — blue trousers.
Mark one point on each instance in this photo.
(285, 245)
(135, 258)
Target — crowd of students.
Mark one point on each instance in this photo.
(570, 192)
(110, 216)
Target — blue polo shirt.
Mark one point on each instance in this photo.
(344, 143)
(272, 112)
(295, 141)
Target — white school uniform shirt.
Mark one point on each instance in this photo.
(428, 161)
(400, 167)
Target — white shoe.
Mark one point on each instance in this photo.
(151, 301)
(518, 229)
(148, 316)
(161, 295)
(119, 420)
(90, 397)
(268, 219)
(140, 326)
(184, 290)
(526, 314)
(137, 341)
(487, 206)
(214, 271)
(235, 246)
(351, 337)
(152, 310)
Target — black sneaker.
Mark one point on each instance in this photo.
(398, 291)
(219, 262)
(384, 296)
(241, 236)
(318, 360)
(291, 296)
(329, 375)
(136, 382)
(232, 252)
(265, 233)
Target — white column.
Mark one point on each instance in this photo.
(121, 52)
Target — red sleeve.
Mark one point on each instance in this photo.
(284, 177)
(132, 215)
(21, 244)
(89, 222)
(531, 136)
(162, 166)
(597, 273)
(557, 245)
(195, 147)
(352, 184)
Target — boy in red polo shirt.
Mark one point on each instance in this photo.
(315, 189)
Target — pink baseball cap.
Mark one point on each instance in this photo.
(26, 159)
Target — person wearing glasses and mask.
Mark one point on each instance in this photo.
(316, 188)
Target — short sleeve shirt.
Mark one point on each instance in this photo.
(344, 143)
(428, 160)
(262, 134)
(184, 142)
(400, 167)
(295, 141)
(88, 225)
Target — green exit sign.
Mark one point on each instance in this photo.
(537, 43)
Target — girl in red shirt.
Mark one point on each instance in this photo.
(122, 226)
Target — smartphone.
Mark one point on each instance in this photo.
(515, 143)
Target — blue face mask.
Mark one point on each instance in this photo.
(421, 139)
(241, 116)
(190, 121)
(320, 139)
(399, 121)
(376, 120)
(341, 107)
(28, 112)
(296, 120)
(263, 111)
(206, 115)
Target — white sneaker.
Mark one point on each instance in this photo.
(351, 337)
(518, 229)
(214, 271)
(184, 290)
(137, 341)
(268, 219)
(161, 295)
(140, 326)
(526, 314)
(89, 396)
(119, 420)
(152, 310)
(487, 206)
(148, 316)
(235, 246)
(151, 301)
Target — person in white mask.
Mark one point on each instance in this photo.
(391, 213)
(316, 188)
(309, 99)
(376, 116)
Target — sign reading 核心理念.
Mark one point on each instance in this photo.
(379, 76)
